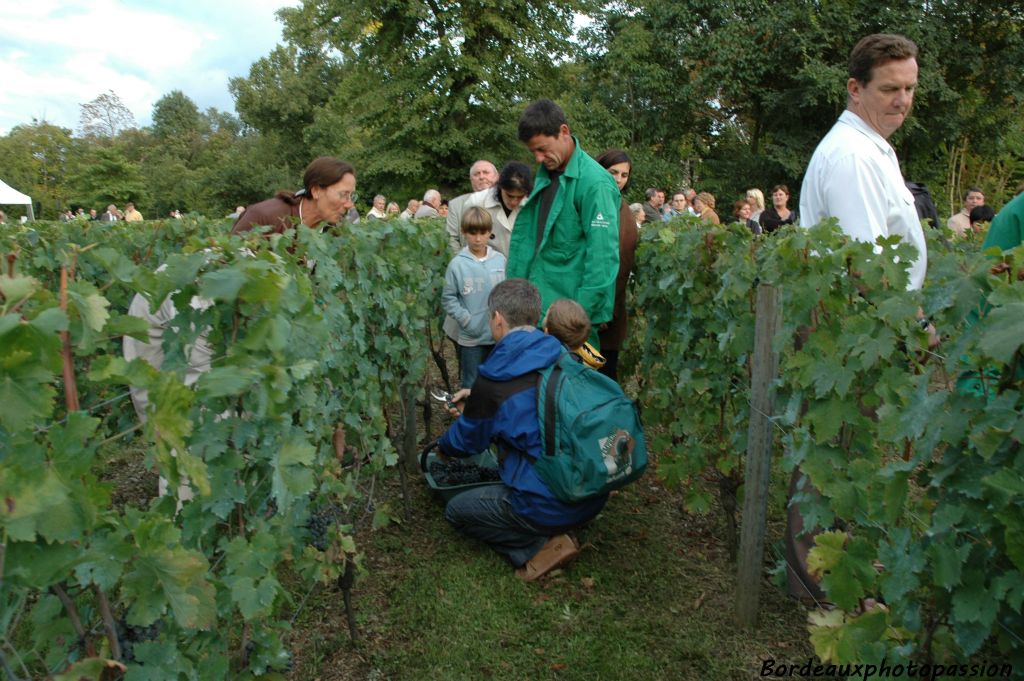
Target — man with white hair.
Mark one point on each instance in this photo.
(110, 215)
(482, 175)
(410, 209)
(430, 206)
(378, 212)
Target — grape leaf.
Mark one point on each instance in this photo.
(292, 476)
(174, 577)
(253, 599)
(1003, 332)
(903, 561)
(16, 289)
(827, 551)
(85, 299)
(221, 285)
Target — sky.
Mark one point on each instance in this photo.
(58, 54)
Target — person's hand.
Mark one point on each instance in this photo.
(458, 399)
(933, 335)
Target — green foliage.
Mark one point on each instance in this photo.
(417, 93)
(916, 453)
(106, 176)
(695, 292)
(736, 94)
(722, 95)
(303, 340)
(34, 159)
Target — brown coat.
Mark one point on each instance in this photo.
(614, 335)
(273, 212)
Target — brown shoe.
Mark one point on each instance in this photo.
(558, 551)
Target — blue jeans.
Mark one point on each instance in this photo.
(470, 359)
(485, 513)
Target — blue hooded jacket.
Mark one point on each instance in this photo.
(503, 409)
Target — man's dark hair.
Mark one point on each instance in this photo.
(651, 193)
(971, 190)
(517, 300)
(542, 117)
(878, 49)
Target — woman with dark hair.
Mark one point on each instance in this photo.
(503, 201)
(613, 334)
(980, 217)
(779, 214)
(328, 192)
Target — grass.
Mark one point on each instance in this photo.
(650, 598)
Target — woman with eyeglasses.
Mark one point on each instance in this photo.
(328, 192)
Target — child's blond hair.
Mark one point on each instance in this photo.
(567, 321)
(476, 219)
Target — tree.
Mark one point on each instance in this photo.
(280, 97)
(736, 93)
(105, 116)
(412, 91)
(178, 126)
(633, 89)
(103, 175)
(34, 160)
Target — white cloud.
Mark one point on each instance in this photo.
(62, 53)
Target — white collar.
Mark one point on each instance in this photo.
(860, 125)
(487, 256)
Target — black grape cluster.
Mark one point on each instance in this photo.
(128, 636)
(319, 524)
(457, 472)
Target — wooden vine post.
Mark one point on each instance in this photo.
(759, 456)
(70, 385)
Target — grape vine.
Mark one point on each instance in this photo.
(924, 474)
(307, 331)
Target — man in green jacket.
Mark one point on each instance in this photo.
(566, 238)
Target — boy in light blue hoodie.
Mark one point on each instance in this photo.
(471, 275)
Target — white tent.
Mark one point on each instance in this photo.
(9, 195)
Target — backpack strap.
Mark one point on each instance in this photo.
(549, 406)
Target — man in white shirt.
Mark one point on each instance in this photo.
(854, 174)
(410, 209)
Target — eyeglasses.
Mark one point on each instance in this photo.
(347, 196)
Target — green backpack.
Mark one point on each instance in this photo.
(591, 438)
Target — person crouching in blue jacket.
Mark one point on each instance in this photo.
(520, 518)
